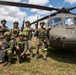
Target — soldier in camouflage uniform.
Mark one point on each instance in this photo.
(8, 46)
(31, 30)
(27, 32)
(21, 47)
(41, 40)
(15, 30)
(3, 29)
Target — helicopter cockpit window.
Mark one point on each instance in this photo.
(75, 20)
(55, 22)
(68, 21)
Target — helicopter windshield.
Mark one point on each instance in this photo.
(55, 22)
(75, 20)
(68, 21)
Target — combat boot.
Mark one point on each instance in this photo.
(37, 56)
(9, 63)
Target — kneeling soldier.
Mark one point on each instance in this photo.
(8, 46)
(21, 47)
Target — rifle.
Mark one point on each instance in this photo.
(2, 55)
(36, 26)
(23, 24)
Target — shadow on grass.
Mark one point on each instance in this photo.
(14, 60)
(26, 59)
(66, 56)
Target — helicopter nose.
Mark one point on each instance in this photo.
(63, 34)
(70, 35)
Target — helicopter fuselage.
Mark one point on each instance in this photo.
(63, 31)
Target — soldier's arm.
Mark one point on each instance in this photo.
(11, 45)
(0, 44)
(7, 29)
(25, 48)
(32, 29)
(17, 45)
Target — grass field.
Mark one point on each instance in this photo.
(59, 62)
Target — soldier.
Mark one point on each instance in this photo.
(3, 29)
(15, 30)
(41, 40)
(21, 47)
(8, 46)
(31, 30)
(27, 32)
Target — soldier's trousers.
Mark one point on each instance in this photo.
(19, 58)
(40, 43)
(29, 46)
(9, 54)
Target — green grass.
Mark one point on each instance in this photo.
(58, 63)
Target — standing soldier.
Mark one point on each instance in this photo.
(3, 29)
(15, 30)
(41, 40)
(27, 32)
(21, 47)
(8, 46)
(31, 30)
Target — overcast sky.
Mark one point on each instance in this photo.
(11, 13)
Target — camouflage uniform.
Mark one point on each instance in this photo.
(28, 36)
(3, 29)
(8, 46)
(15, 30)
(21, 43)
(31, 30)
(41, 41)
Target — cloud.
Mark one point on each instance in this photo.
(11, 0)
(42, 12)
(11, 13)
(38, 2)
(33, 18)
(71, 1)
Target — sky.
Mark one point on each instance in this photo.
(11, 13)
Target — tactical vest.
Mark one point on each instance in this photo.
(21, 44)
(41, 33)
(9, 45)
(2, 31)
(6, 43)
(26, 31)
(31, 30)
(15, 32)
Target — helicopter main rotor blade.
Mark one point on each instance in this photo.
(27, 5)
(51, 15)
(72, 13)
(72, 8)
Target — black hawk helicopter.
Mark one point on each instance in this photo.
(62, 24)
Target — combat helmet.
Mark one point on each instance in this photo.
(3, 20)
(15, 22)
(27, 21)
(42, 22)
(7, 34)
(21, 33)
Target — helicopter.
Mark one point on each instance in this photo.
(61, 24)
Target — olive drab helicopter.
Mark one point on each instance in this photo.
(61, 24)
